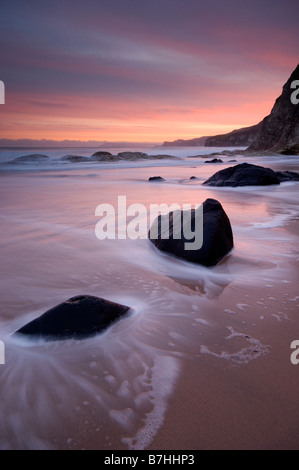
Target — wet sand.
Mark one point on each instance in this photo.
(221, 405)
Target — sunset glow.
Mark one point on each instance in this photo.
(137, 72)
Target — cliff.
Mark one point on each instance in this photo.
(238, 138)
(279, 132)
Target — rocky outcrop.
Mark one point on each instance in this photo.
(238, 138)
(101, 153)
(217, 240)
(34, 158)
(79, 317)
(244, 174)
(279, 132)
(214, 160)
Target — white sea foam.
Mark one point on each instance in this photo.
(245, 355)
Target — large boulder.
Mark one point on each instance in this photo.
(78, 318)
(217, 235)
(244, 174)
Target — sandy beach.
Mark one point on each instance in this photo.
(204, 360)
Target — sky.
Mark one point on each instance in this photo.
(142, 70)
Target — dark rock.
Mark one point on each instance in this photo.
(287, 176)
(79, 317)
(101, 153)
(193, 178)
(217, 236)
(243, 174)
(74, 158)
(156, 178)
(34, 158)
(279, 131)
(214, 160)
(232, 161)
(293, 150)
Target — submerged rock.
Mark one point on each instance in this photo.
(156, 178)
(79, 317)
(163, 157)
(103, 156)
(217, 236)
(244, 174)
(34, 158)
(287, 176)
(132, 156)
(74, 158)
